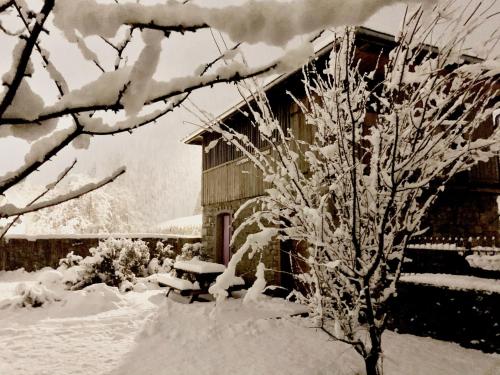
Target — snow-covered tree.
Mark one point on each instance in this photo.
(387, 140)
(106, 210)
(40, 104)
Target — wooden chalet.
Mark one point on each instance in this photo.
(468, 207)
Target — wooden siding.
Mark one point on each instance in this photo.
(223, 152)
(239, 178)
(485, 173)
(227, 177)
(234, 180)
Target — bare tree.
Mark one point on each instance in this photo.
(386, 143)
(124, 96)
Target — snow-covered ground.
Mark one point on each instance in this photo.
(457, 282)
(145, 333)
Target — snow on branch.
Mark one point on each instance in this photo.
(9, 210)
(25, 49)
(4, 4)
(111, 85)
(48, 188)
(269, 21)
(41, 152)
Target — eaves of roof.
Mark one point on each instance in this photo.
(196, 137)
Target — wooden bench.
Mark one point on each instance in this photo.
(193, 278)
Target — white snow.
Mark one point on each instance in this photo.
(99, 331)
(87, 337)
(458, 282)
(485, 262)
(436, 246)
(95, 235)
(183, 225)
(267, 21)
(256, 290)
(175, 282)
(486, 249)
(142, 72)
(245, 339)
(199, 266)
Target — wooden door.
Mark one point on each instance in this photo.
(223, 238)
(226, 238)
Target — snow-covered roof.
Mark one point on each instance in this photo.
(320, 49)
(35, 237)
(186, 221)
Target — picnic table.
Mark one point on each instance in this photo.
(193, 278)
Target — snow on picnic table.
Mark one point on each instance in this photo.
(109, 333)
(199, 266)
(176, 283)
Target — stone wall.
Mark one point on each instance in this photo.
(458, 213)
(35, 253)
(246, 268)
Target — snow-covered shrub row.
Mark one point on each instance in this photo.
(114, 262)
(45, 287)
(118, 262)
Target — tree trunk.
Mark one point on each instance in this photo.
(373, 363)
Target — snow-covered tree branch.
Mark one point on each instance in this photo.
(387, 140)
(125, 96)
(9, 210)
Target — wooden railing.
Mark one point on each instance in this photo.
(231, 181)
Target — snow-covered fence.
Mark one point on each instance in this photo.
(449, 255)
(33, 253)
(465, 242)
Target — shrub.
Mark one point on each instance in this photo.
(112, 262)
(71, 260)
(34, 295)
(162, 258)
(192, 250)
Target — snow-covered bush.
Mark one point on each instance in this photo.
(133, 259)
(33, 295)
(113, 261)
(45, 290)
(162, 258)
(192, 250)
(70, 260)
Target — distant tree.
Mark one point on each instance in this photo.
(106, 210)
(123, 96)
(366, 183)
